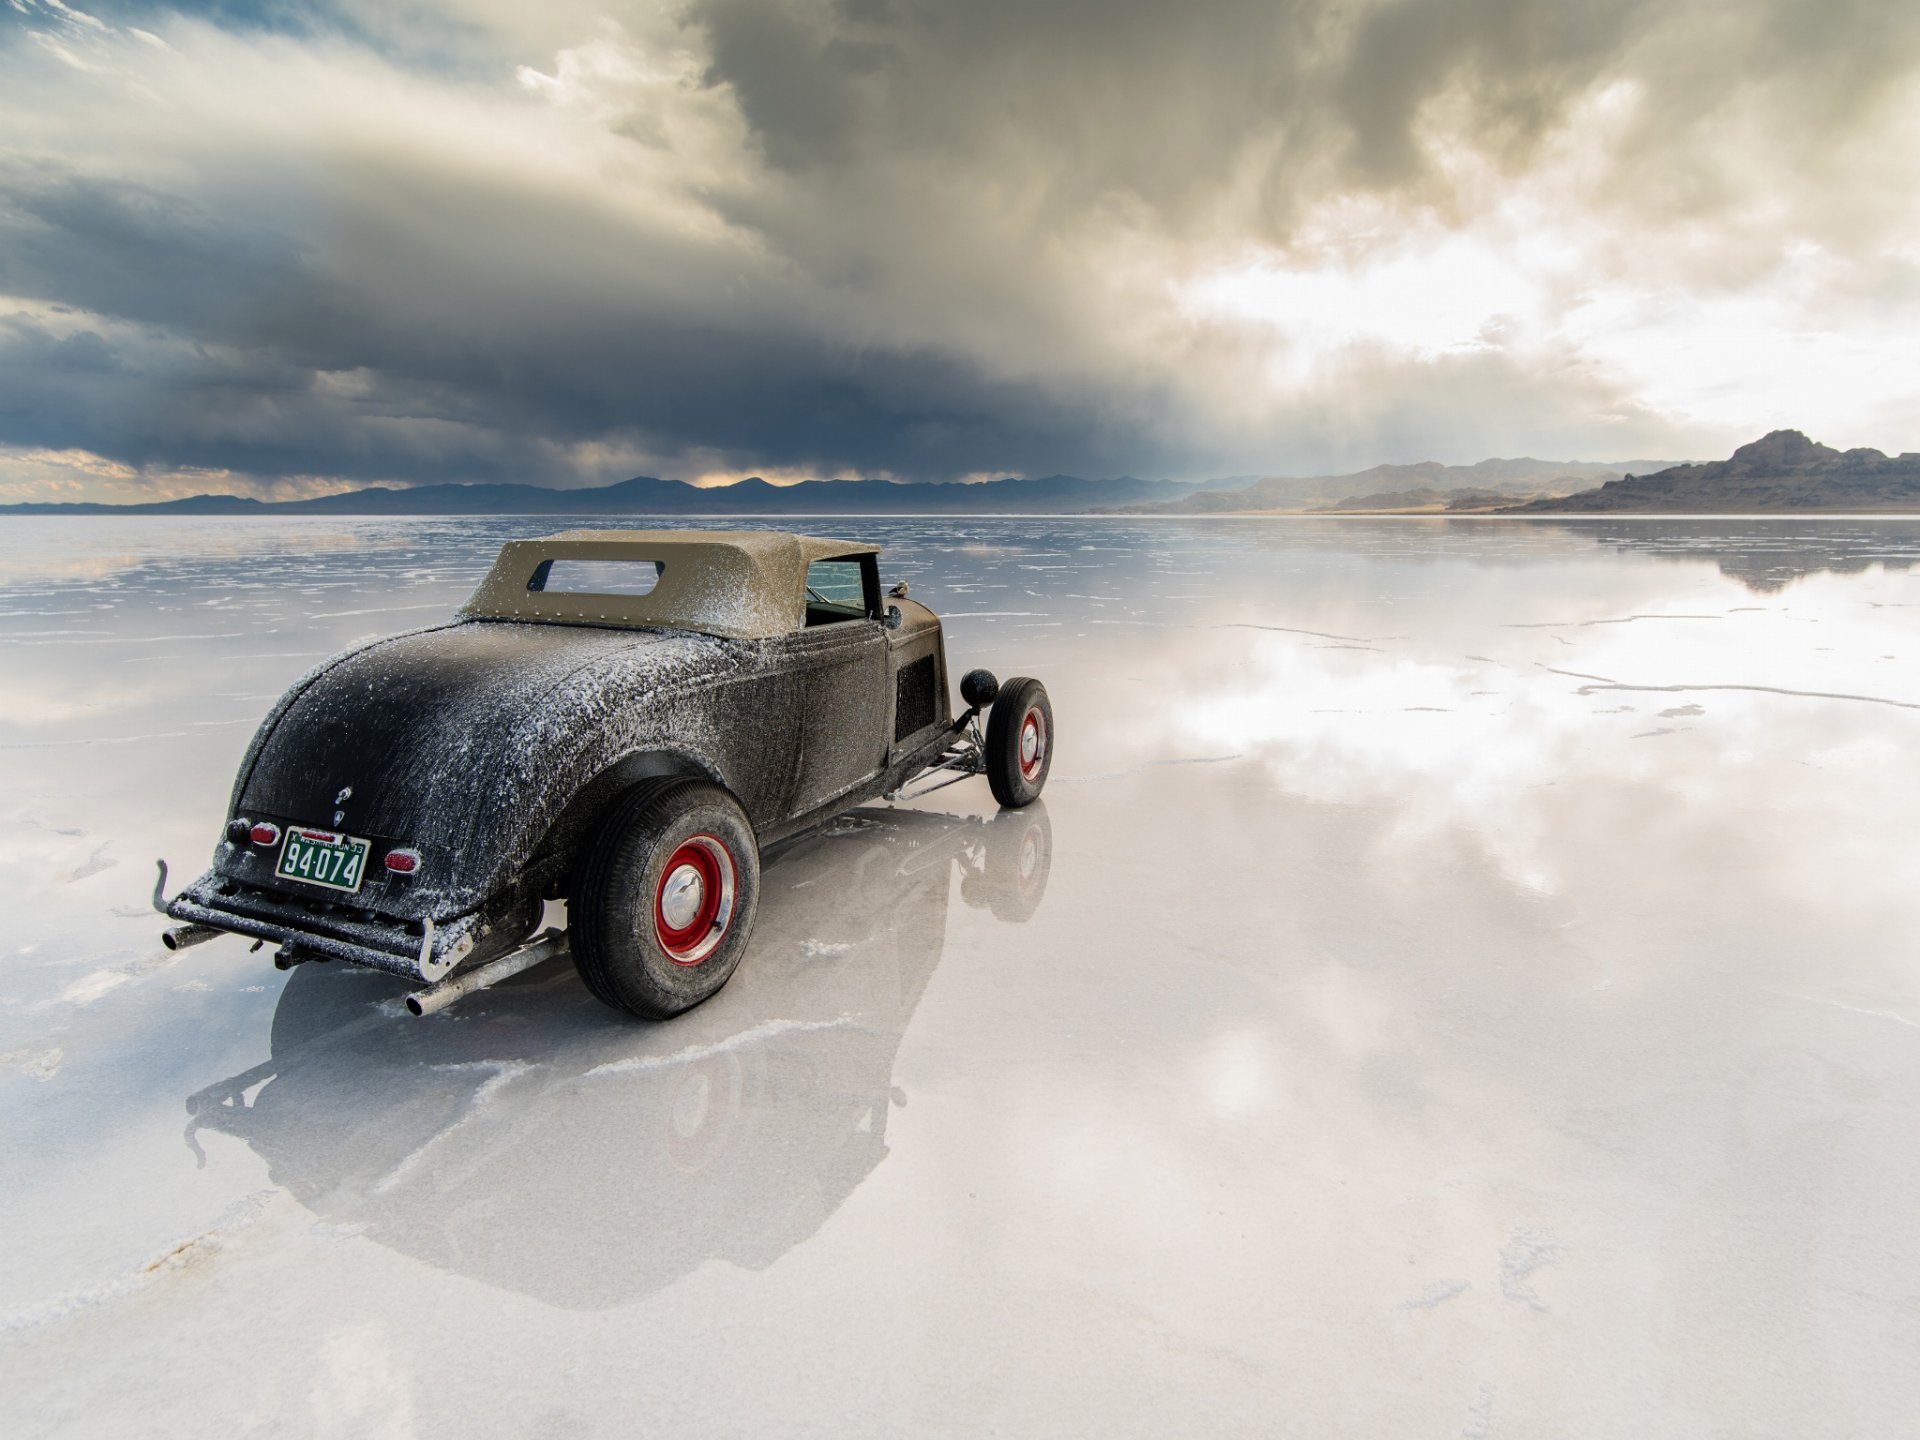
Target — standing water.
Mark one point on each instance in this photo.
(1462, 974)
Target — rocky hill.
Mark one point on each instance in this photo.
(1783, 471)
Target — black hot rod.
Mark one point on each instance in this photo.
(620, 719)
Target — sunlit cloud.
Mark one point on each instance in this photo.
(573, 243)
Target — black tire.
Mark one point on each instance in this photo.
(632, 887)
(1016, 776)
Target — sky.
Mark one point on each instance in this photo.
(288, 249)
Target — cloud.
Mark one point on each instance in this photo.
(473, 240)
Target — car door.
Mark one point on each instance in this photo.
(841, 656)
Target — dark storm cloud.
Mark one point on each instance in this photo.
(222, 336)
(925, 239)
(1159, 101)
(1163, 102)
(128, 250)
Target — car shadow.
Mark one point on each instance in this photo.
(533, 1139)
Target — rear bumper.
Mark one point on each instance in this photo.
(327, 932)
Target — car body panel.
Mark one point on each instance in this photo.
(842, 713)
(918, 706)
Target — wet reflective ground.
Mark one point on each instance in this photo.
(1462, 980)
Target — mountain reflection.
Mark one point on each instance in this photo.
(530, 1139)
(1764, 555)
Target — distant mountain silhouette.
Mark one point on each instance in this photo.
(1783, 471)
(1387, 487)
(1421, 499)
(645, 495)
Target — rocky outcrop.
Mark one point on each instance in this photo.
(1782, 471)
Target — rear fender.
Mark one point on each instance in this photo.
(263, 735)
(552, 859)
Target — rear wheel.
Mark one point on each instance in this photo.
(662, 905)
(1019, 742)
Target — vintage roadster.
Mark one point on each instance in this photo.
(619, 719)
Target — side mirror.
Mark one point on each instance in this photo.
(893, 617)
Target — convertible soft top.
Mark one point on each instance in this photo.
(740, 584)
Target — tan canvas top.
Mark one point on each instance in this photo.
(743, 584)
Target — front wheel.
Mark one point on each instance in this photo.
(1019, 742)
(660, 909)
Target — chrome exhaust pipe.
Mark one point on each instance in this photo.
(182, 937)
(438, 997)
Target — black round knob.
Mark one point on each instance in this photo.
(978, 687)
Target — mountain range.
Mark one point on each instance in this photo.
(1394, 487)
(645, 495)
(1783, 471)
(1053, 495)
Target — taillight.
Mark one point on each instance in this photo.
(403, 862)
(264, 833)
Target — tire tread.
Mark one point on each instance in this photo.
(1003, 759)
(621, 844)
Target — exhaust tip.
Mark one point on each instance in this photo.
(414, 1005)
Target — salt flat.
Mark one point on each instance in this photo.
(1461, 980)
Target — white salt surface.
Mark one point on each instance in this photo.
(1461, 981)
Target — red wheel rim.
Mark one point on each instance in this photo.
(1033, 744)
(693, 901)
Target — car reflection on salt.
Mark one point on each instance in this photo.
(532, 1147)
(618, 718)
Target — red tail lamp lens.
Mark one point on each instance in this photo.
(403, 862)
(264, 834)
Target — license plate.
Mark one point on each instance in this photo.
(319, 857)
